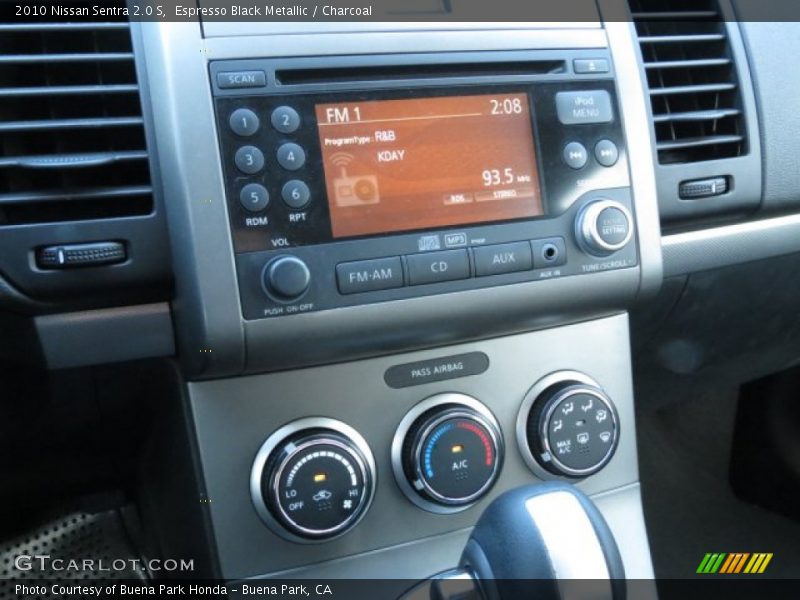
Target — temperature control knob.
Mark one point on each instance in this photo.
(603, 227)
(315, 483)
(569, 428)
(448, 453)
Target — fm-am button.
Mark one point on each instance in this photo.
(369, 275)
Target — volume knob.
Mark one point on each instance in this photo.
(286, 278)
(603, 227)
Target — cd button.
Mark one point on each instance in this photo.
(291, 156)
(369, 275)
(575, 155)
(438, 266)
(503, 258)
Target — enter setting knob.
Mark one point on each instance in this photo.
(286, 278)
(604, 227)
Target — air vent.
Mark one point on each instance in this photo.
(72, 142)
(694, 91)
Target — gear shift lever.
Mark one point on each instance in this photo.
(545, 541)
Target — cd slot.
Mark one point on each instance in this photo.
(313, 76)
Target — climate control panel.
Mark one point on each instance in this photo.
(314, 479)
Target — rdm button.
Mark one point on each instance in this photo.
(437, 266)
(370, 275)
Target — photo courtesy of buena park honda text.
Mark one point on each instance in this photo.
(399, 299)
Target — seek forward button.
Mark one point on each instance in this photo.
(369, 275)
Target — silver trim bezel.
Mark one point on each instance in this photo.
(449, 398)
(572, 544)
(521, 428)
(279, 437)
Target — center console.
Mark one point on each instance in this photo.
(402, 282)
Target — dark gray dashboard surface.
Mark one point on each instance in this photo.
(771, 48)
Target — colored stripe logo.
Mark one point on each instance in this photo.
(734, 563)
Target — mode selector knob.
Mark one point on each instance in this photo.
(568, 427)
(286, 278)
(603, 227)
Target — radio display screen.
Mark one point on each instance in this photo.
(401, 165)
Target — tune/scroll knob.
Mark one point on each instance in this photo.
(313, 480)
(568, 426)
(286, 278)
(603, 227)
(447, 453)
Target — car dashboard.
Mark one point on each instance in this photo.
(365, 277)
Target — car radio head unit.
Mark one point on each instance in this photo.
(365, 187)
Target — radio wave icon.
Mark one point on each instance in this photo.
(341, 159)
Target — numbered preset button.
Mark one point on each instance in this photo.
(295, 194)
(244, 122)
(254, 197)
(291, 156)
(285, 119)
(249, 159)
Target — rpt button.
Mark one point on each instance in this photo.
(370, 275)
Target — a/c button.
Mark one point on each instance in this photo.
(433, 267)
(369, 275)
